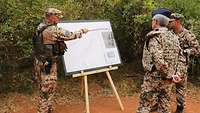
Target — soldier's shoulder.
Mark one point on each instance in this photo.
(154, 36)
(188, 33)
(40, 26)
(51, 28)
(46, 27)
(155, 32)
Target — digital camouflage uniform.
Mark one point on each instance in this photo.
(45, 62)
(189, 46)
(160, 55)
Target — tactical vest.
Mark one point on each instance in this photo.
(38, 47)
(45, 47)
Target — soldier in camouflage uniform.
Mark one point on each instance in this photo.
(189, 46)
(160, 55)
(48, 46)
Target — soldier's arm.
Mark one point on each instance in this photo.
(156, 49)
(64, 35)
(193, 43)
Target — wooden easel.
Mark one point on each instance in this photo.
(85, 82)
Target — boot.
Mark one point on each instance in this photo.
(179, 109)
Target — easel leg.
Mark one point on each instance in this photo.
(86, 94)
(82, 86)
(115, 91)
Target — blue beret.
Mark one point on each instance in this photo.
(163, 11)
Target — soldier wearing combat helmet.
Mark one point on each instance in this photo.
(48, 46)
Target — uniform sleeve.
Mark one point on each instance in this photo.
(156, 50)
(193, 43)
(65, 35)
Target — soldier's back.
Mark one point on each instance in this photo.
(168, 42)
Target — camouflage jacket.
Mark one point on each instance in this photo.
(53, 33)
(189, 44)
(52, 40)
(161, 52)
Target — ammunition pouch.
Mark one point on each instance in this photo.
(59, 48)
(48, 65)
(44, 50)
(48, 50)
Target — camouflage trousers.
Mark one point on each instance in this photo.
(46, 75)
(181, 87)
(155, 91)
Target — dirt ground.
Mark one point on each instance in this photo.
(19, 103)
(101, 105)
(101, 97)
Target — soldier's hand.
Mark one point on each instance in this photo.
(78, 35)
(84, 30)
(176, 78)
(46, 63)
(185, 52)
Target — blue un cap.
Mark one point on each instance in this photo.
(163, 11)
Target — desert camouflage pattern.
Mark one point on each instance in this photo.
(160, 62)
(190, 45)
(176, 16)
(154, 91)
(53, 33)
(54, 11)
(47, 85)
(45, 66)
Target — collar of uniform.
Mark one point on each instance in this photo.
(157, 31)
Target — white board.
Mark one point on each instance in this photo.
(95, 49)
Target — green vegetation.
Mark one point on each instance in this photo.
(130, 21)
